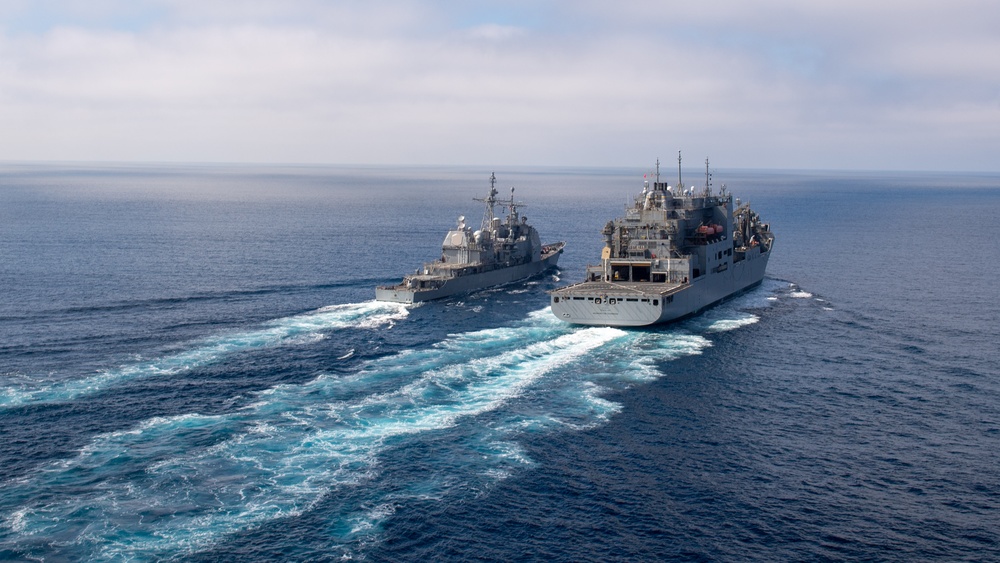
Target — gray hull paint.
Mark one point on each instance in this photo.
(648, 304)
(503, 250)
(676, 251)
(467, 283)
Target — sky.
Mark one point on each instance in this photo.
(789, 84)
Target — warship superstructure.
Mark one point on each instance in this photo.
(676, 251)
(503, 250)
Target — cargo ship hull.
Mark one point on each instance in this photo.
(676, 251)
(643, 304)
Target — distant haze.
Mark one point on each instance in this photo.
(844, 84)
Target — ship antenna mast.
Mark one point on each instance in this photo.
(657, 172)
(490, 202)
(680, 184)
(708, 178)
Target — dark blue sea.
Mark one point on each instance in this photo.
(192, 368)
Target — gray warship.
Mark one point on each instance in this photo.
(675, 252)
(501, 251)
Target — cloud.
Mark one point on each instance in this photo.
(777, 83)
(495, 32)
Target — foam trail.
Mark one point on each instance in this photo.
(797, 292)
(174, 486)
(724, 325)
(179, 484)
(287, 331)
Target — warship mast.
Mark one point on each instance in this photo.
(490, 201)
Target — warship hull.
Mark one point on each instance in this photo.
(503, 250)
(446, 287)
(637, 304)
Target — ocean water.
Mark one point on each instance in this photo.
(192, 368)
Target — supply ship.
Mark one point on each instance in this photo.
(503, 250)
(677, 251)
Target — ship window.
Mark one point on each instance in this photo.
(578, 299)
(555, 299)
(632, 300)
(656, 302)
(659, 277)
(645, 300)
